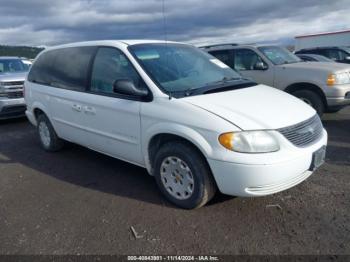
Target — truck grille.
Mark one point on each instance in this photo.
(18, 94)
(14, 83)
(304, 133)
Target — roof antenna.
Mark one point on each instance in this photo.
(165, 35)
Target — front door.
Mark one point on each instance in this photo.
(112, 121)
(248, 63)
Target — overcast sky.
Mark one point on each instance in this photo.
(48, 22)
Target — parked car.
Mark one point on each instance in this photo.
(335, 53)
(324, 86)
(190, 120)
(314, 58)
(12, 75)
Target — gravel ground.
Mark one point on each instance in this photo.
(81, 202)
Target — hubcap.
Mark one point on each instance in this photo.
(44, 134)
(177, 177)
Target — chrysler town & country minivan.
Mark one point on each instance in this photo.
(194, 123)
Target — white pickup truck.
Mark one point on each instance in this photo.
(325, 86)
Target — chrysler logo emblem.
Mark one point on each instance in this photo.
(307, 131)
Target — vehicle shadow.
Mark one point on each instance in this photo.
(80, 166)
(338, 149)
(86, 168)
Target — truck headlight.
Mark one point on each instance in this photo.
(250, 141)
(338, 79)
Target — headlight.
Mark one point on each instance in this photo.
(338, 79)
(250, 141)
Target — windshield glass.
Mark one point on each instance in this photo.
(179, 67)
(278, 55)
(12, 66)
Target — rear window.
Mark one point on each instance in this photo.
(63, 68)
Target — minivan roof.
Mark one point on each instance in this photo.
(218, 47)
(110, 43)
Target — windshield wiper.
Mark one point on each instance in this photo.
(221, 85)
(224, 80)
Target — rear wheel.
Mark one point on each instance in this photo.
(47, 135)
(183, 176)
(312, 99)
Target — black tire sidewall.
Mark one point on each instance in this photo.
(314, 98)
(195, 163)
(55, 142)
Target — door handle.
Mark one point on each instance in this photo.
(89, 110)
(76, 107)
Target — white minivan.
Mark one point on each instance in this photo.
(193, 123)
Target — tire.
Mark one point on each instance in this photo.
(48, 138)
(183, 163)
(311, 98)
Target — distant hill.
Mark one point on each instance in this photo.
(21, 51)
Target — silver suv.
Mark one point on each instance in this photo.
(12, 76)
(325, 86)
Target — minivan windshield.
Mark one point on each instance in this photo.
(180, 67)
(12, 66)
(278, 55)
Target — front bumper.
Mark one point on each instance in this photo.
(252, 179)
(12, 108)
(338, 96)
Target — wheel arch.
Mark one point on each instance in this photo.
(37, 109)
(154, 140)
(306, 86)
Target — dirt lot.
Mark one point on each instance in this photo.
(79, 201)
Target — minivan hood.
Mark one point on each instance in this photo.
(7, 77)
(322, 66)
(254, 108)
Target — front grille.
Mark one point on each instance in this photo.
(14, 83)
(18, 94)
(304, 133)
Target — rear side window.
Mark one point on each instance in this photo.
(66, 68)
(225, 56)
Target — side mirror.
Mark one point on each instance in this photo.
(127, 87)
(260, 66)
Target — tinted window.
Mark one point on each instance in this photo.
(225, 56)
(110, 65)
(64, 68)
(246, 59)
(71, 66)
(41, 69)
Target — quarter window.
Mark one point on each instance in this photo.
(110, 65)
(71, 66)
(63, 68)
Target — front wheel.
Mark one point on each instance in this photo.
(311, 98)
(183, 176)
